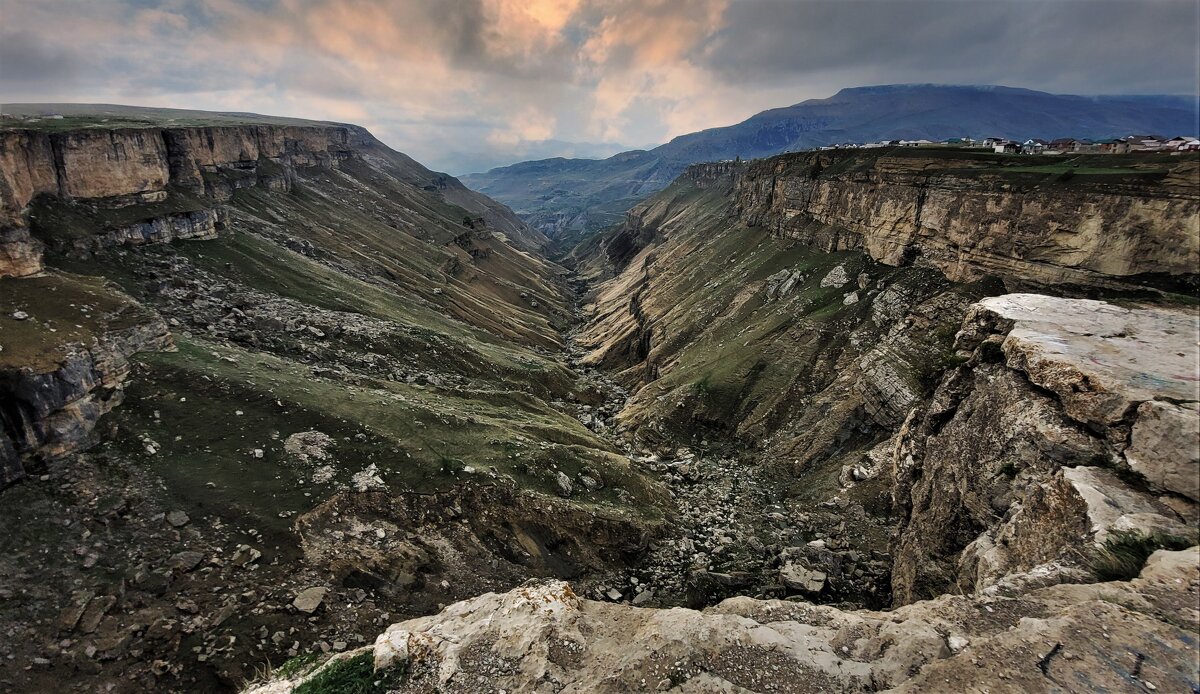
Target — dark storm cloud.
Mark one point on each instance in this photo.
(1083, 46)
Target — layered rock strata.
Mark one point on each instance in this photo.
(110, 163)
(100, 170)
(973, 218)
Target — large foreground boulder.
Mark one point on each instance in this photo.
(541, 637)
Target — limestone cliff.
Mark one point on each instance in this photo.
(161, 183)
(130, 162)
(132, 181)
(971, 214)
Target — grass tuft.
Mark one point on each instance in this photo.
(297, 666)
(1125, 553)
(355, 675)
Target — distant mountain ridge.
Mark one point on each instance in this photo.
(565, 196)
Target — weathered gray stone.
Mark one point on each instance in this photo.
(185, 561)
(836, 277)
(1101, 360)
(1114, 505)
(799, 577)
(564, 484)
(309, 599)
(1165, 446)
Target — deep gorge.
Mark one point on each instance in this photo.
(280, 387)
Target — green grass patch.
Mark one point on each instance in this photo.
(356, 675)
(297, 666)
(209, 406)
(64, 309)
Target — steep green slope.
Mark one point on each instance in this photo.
(367, 394)
(725, 328)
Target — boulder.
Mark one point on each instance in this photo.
(798, 577)
(1165, 446)
(563, 483)
(309, 599)
(836, 277)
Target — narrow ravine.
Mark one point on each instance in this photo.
(733, 529)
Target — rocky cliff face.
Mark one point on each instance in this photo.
(1072, 419)
(117, 163)
(54, 386)
(587, 191)
(114, 172)
(155, 184)
(971, 216)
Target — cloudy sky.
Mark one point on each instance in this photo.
(463, 85)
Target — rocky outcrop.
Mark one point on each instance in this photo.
(20, 253)
(971, 217)
(712, 173)
(111, 163)
(193, 152)
(49, 406)
(1069, 421)
(195, 225)
(542, 637)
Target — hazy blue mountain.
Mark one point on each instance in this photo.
(459, 161)
(561, 196)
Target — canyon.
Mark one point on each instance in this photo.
(282, 410)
